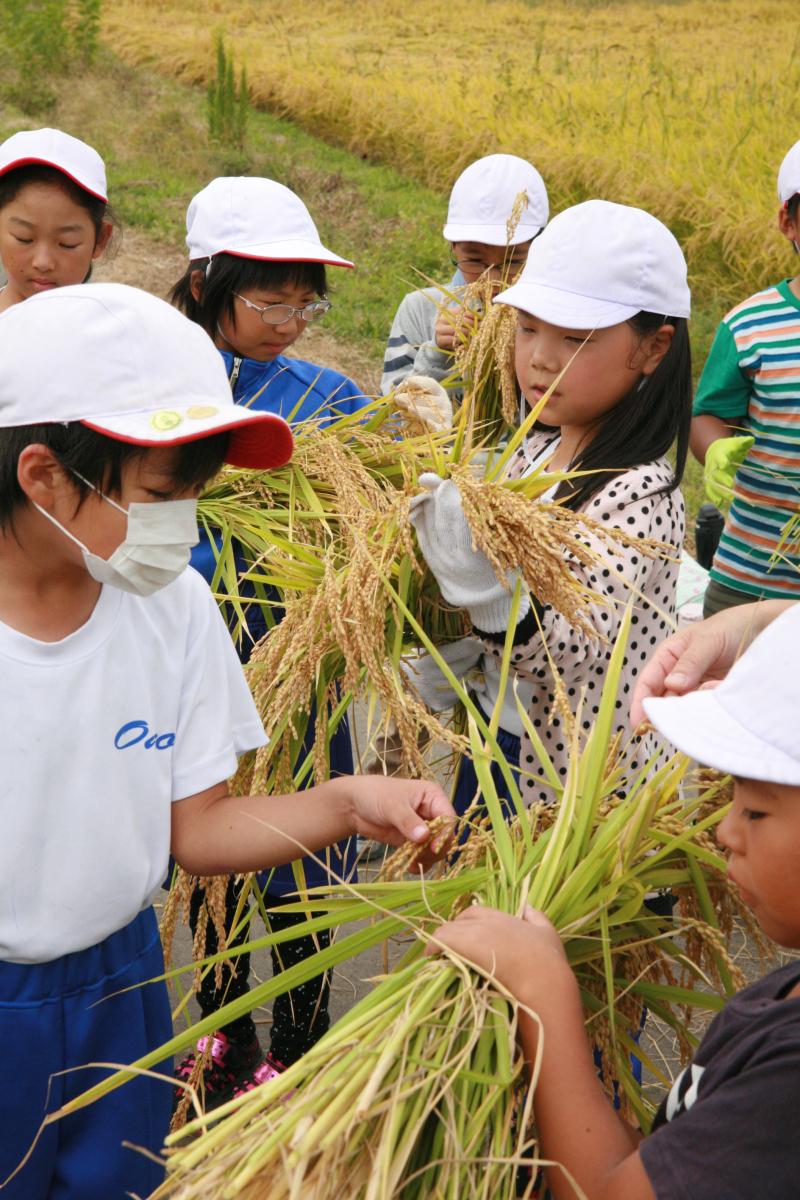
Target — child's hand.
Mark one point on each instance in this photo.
(453, 326)
(396, 811)
(464, 574)
(723, 459)
(425, 402)
(525, 956)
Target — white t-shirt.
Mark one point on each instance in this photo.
(143, 705)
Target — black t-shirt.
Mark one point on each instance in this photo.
(730, 1127)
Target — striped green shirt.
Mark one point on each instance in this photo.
(752, 381)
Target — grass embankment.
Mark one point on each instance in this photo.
(152, 133)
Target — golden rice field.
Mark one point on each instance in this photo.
(685, 108)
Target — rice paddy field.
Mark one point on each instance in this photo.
(678, 107)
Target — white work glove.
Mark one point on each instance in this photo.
(424, 400)
(465, 576)
(422, 670)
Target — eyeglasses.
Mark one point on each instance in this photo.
(476, 266)
(279, 314)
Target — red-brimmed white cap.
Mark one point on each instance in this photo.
(130, 366)
(789, 175)
(747, 725)
(254, 218)
(52, 148)
(598, 264)
(483, 197)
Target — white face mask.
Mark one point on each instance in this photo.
(155, 550)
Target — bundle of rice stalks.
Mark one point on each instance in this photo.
(333, 547)
(420, 1090)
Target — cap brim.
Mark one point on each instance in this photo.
(296, 251)
(258, 440)
(700, 726)
(566, 309)
(47, 162)
(490, 235)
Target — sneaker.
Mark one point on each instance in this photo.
(268, 1068)
(228, 1060)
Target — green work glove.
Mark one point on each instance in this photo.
(723, 459)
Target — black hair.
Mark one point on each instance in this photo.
(793, 205)
(98, 458)
(229, 273)
(644, 425)
(99, 211)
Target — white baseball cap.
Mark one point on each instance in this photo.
(52, 148)
(483, 198)
(789, 175)
(748, 724)
(598, 264)
(130, 366)
(254, 218)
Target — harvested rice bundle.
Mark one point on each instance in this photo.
(418, 1090)
(369, 598)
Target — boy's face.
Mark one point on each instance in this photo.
(250, 336)
(46, 240)
(146, 479)
(762, 835)
(790, 226)
(502, 262)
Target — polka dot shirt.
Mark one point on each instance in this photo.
(629, 502)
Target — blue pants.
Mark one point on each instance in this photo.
(50, 1021)
(467, 786)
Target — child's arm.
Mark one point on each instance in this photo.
(723, 395)
(702, 653)
(705, 429)
(214, 833)
(410, 350)
(576, 1122)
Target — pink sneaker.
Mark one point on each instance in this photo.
(228, 1060)
(268, 1068)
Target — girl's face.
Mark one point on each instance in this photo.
(611, 362)
(46, 241)
(761, 833)
(251, 337)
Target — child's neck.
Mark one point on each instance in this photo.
(573, 439)
(40, 596)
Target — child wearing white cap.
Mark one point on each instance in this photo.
(422, 339)
(256, 278)
(602, 298)
(54, 215)
(728, 1127)
(123, 710)
(746, 429)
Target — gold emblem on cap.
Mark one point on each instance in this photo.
(166, 419)
(199, 412)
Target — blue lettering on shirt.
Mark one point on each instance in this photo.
(134, 732)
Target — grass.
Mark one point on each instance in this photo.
(674, 107)
(151, 130)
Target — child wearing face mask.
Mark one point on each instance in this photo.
(54, 215)
(423, 335)
(123, 710)
(746, 430)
